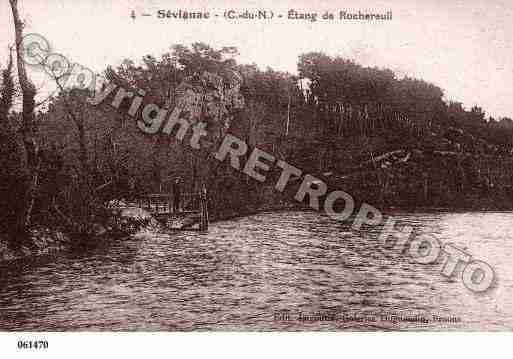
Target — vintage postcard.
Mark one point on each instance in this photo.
(255, 166)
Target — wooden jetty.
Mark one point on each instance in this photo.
(192, 214)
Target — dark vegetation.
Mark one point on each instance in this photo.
(388, 141)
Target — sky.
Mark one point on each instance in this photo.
(464, 47)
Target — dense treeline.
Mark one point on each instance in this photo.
(396, 142)
(391, 141)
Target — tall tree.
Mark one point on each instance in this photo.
(11, 160)
(28, 126)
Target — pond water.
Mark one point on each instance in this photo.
(271, 271)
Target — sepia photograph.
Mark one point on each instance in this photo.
(258, 166)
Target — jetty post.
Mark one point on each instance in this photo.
(204, 209)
